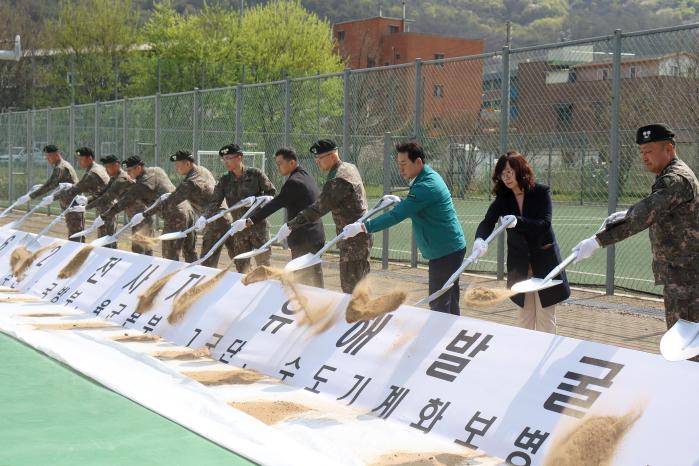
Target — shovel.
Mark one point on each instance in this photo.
(233, 230)
(43, 203)
(16, 203)
(536, 284)
(681, 341)
(182, 234)
(109, 239)
(468, 261)
(256, 252)
(29, 244)
(86, 231)
(309, 260)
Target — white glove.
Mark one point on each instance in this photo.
(586, 248)
(507, 219)
(480, 247)
(239, 225)
(23, 199)
(64, 186)
(77, 208)
(137, 218)
(35, 187)
(283, 233)
(265, 199)
(200, 224)
(80, 200)
(353, 229)
(392, 198)
(248, 201)
(164, 196)
(98, 222)
(46, 200)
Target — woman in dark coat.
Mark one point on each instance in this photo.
(531, 245)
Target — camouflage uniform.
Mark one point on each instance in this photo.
(117, 186)
(197, 187)
(232, 189)
(147, 188)
(343, 195)
(671, 212)
(63, 172)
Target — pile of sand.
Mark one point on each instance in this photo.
(80, 325)
(228, 377)
(483, 297)
(74, 265)
(19, 266)
(19, 299)
(183, 354)
(136, 337)
(17, 256)
(593, 442)
(147, 298)
(45, 314)
(7, 289)
(270, 412)
(146, 241)
(422, 459)
(363, 307)
(187, 299)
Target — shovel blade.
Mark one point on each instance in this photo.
(302, 262)
(103, 241)
(249, 254)
(172, 236)
(534, 284)
(81, 233)
(681, 341)
(434, 295)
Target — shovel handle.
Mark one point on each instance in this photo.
(560, 267)
(381, 205)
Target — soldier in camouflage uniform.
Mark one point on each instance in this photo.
(63, 172)
(119, 183)
(197, 187)
(150, 184)
(343, 195)
(671, 213)
(91, 185)
(240, 182)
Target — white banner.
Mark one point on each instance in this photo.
(504, 390)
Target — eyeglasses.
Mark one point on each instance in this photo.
(507, 174)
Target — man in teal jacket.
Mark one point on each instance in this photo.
(436, 228)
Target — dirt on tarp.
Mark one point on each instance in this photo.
(74, 265)
(423, 459)
(17, 256)
(227, 377)
(363, 307)
(187, 299)
(270, 412)
(135, 337)
(19, 299)
(479, 296)
(23, 265)
(147, 298)
(45, 314)
(593, 442)
(182, 354)
(79, 325)
(260, 274)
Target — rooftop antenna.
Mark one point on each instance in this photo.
(13, 55)
(404, 25)
(380, 9)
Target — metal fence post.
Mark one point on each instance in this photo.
(239, 115)
(287, 111)
(196, 116)
(387, 150)
(318, 105)
(9, 159)
(30, 150)
(346, 114)
(125, 129)
(504, 142)
(614, 151)
(156, 149)
(417, 134)
(71, 135)
(97, 129)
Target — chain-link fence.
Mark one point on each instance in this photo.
(571, 108)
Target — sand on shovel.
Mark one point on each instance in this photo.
(147, 298)
(27, 261)
(270, 412)
(187, 299)
(73, 325)
(146, 241)
(74, 265)
(593, 442)
(229, 377)
(182, 354)
(363, 307)
(479, 296)
(135, 337)
(400, 458)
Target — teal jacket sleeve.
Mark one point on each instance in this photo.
(418, 199)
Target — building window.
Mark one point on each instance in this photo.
(439, 56)
(370, 62)
(340, 36)
(632, 72)
(674, 70)
(603, 74)
(564, 116)
(393, 29)
(438, 90)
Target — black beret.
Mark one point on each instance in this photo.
(109, 159)
(323, 146)
(50, 148)
(85, 152)
(181, 155)
(229, 149)
(132, 161)
(655, 132)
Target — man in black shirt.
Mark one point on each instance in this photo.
(298, 192)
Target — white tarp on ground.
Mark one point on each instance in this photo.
(504, 390)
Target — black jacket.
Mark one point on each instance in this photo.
(298, 192)
(530, 243)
